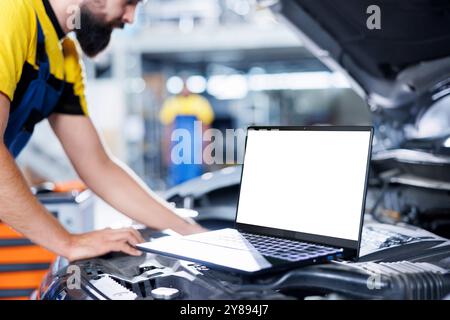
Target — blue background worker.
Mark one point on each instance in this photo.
(193, 114)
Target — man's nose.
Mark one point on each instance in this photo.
(129, 14)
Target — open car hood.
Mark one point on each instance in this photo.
(401, 69)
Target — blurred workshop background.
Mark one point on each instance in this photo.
(234, 63)
(242, 64)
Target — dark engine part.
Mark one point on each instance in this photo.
(413, 190)
(420, 207)
(422, 273)
(399, 280)
(106, 280)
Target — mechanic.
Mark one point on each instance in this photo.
(182, 112)
(41, 76)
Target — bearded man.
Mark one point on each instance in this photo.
(41, 77)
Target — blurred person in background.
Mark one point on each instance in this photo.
(190, 112)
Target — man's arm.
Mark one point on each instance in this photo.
(112, 181)
(22, 211)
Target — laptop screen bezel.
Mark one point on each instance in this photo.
(351, 247)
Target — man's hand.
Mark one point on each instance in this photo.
(98, 243)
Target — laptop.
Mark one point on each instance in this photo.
(301, 202)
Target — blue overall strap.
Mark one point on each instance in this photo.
(41, 52)
(37, 103)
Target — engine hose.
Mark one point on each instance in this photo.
(424, 285)
(421, 286)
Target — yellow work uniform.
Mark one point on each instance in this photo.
(191, 105)
(18, 46)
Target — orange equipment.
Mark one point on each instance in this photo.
(22, 264)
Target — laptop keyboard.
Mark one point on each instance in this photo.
(288, 249)
(284, 249)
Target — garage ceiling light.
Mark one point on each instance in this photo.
(237, 86)
(196, 84)
(174, 85)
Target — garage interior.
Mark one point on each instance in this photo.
(257, 63)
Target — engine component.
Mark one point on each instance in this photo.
(111, 289)
(399, 280)
(163, 293)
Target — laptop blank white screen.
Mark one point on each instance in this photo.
(305, 181)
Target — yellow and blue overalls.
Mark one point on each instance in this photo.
(37, 103)
(40, 69)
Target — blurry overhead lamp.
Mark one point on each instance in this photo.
(186, 24)
(297, 81)
(174, 85)
(196, 84)
(228, 87)
(233, 87)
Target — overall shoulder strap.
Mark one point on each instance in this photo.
(41, 53)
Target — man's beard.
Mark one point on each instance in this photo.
(94, 35)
